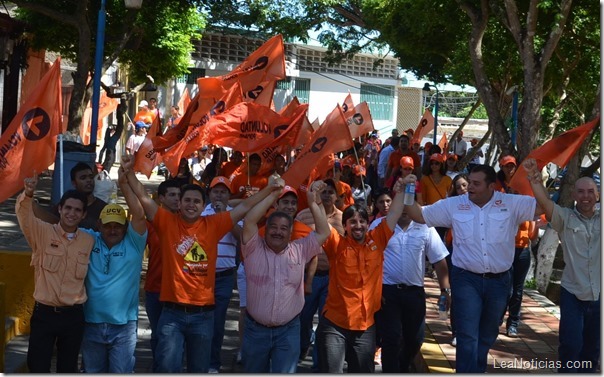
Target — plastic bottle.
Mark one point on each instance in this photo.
(442, 307)
(409, 197)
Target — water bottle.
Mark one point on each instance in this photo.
(409, 197)
(442, 307)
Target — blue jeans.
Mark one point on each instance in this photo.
(223, 291)
(520, 267)
(108, 348)
(312, 302)
(336, 344)
(579, 333)
(401, 325)
(153, 307)
(270, 349)
(175, 328)
(479, 303)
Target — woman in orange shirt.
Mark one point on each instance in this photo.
(522, 255)
(346, 328)
(435, 184)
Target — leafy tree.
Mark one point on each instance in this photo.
(154, 40)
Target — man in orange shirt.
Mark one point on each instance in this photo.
(247, 184)
(144, 114)
(404, 150)
(343, 189)
(189, 252)
(229, 167)
(346, 327)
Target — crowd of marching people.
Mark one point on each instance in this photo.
(347, 246)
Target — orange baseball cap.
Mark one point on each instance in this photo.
(358, 170)
(407, 162)
(452, 155)
(221, 181)
(286, 190)
(507, 160)
(436, 157)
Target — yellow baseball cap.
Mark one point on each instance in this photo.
(113, 213)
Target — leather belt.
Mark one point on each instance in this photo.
(490, 275)
(188, 308)
(58, 309)
(321, 272)
(224, 273)
(404, 287)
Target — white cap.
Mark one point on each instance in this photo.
(143, 103)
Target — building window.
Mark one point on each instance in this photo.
(302, 89)
(380, 99)
(191, 77)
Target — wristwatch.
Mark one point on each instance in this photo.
(446, 290)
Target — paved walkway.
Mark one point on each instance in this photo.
(538, 332)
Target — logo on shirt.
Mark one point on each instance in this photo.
(499, 203)
(196, 254)
(463, 207)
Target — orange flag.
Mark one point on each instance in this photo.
(250, 127)
(145, 158)
(360, 121)
(184, 100)
(558, 150)
(36, 69)
(333, 136)
(426, 124)
(444, 143)
(348, 106)
(30, 141)
(107, 105)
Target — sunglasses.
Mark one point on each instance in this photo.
(434, 163)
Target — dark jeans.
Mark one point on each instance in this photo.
(401, 325)
(223, 291)
(451, 311)
(153, 307)
(65, 327)
(479, 302)
(109, 159)
(520, 267)
(312, 302)
(579, 334)
(336, 344)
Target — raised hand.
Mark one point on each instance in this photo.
(411, 178)
(532, 170)
(276, 182)
(127, 163)
(314, 192)
(30, 184)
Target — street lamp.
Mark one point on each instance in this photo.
(426, 90)
(98, 64)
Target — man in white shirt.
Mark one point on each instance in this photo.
(485, 223)
(401, 320)
(383, 160)
(460, 146)
(134, 141)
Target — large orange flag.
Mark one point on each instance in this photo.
(558, 150)
(36, 69)
(333, 136)
(250, 127)
(145, 158)
(426, 124)
(184, 101)
(305, 131)
(360, 121)
(30, 141)
(348, 106)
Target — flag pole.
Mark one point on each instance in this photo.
(356, 155)
(61, 188)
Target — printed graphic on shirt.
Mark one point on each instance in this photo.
(195, 257)
(196, 254)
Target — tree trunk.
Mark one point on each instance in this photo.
(545, 258)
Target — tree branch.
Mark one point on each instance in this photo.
(48, 12)
(555, 35)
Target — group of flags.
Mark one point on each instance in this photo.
(234, 110)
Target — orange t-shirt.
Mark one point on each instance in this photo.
(189, 253)
(257, 182)
(228, 168)
(343, 188)
(302, 199)
(146, 116)
(523, 237)
(433, 192)
(394, 159)
(153, 278)
(355, 277)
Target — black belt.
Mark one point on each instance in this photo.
(490, 275)
(321, 272)
(268, 327)
(188, 308)
(58, 309)
(228, 272)
(404, 287)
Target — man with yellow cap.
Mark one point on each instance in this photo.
(112, 282)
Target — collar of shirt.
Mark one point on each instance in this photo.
(59, 229)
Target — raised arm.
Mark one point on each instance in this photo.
(414, 211)
(149, 206)
(138, 220)
(317, 210)
(253, 216)
(534, 176)
(397, 206)
(275, 183)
